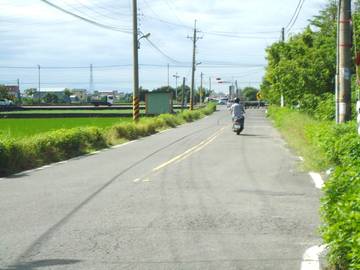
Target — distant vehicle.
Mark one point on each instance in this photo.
(105, 100)
(222, 101)
(6, 102)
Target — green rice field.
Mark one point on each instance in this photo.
(70, 111)
(21, 128)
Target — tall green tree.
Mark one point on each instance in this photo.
(249, 93)
(30, 91)
(4, 93)
(306, 63)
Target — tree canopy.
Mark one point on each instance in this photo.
(306, 63)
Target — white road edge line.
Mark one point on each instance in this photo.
(311, 258)
(301, 158)
(318, 181)
(122, 145)
(163, 131)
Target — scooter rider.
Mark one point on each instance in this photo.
(237, 112)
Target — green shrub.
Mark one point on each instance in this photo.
(339, 143)
(49, 147)
(309, 103)
(170, 120)
(341, 217)
(62, 144)
(325, 110)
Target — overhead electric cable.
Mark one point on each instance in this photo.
(296, 17)
(219, 33)
(238, 36)
(86, 19)
(161, 52)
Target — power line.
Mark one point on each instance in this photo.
(219, 33)
(161, 52)
(86, 19)
(295, 15)
(238, 36)
(93, 10)
(173, 10)
(167, 22)
(103, 8)
(206, 64)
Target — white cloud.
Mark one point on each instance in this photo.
(33, 33)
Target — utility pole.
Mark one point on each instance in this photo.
(345, 61)
(168, 76)
(39, 83)
(357, 62)
(282, 102)
(209, 84)
(91, 83)
(183, 94)
(195, 38)
(176, 76)
(201, 87)
(18, 86)
(337, 66)
(136, 96)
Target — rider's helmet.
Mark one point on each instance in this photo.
(237, 100)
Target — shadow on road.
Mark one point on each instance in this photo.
(17, 176)
(255, 135)
(40, 263)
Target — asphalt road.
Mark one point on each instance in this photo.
(194, 197)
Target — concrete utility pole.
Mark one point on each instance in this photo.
(18, 85)
(195, 38)
(201, 87)
(337, 66)
(345, 61)
(357, 63)
(39, 83)
(91, 83)
(209, 84)
(183, 94)
(168, 76)
(282, 102)
(136, 94)
(176, 76)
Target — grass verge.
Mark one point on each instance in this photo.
(324, 144)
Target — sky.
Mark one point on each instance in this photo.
(234, 35)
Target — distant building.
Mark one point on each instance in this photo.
(13, 90)
(106, 93)
(79, 94)
(58, 91)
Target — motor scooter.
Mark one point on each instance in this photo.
(238, 124)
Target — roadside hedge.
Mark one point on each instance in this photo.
(337, 146)
(54, 146)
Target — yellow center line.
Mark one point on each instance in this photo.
(190, 151)
(181, 157)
